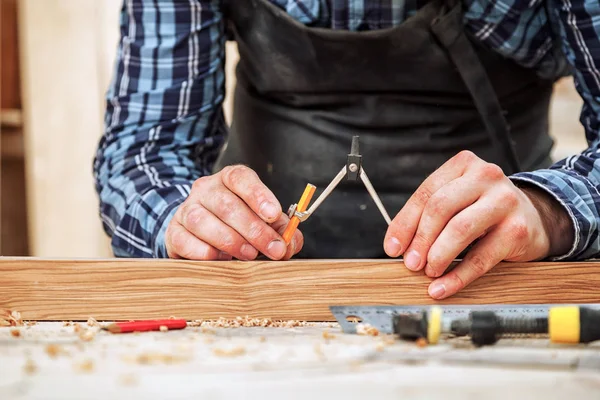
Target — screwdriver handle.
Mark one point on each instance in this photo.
(573, 324)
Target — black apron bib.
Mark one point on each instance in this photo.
(416, 94)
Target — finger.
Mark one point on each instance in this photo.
(182, 244)
(233, 212)
(466, 227)
(207, 227)
(403, 227)
(491, 250)
(297, 240)
(443, 205)
(246, 184)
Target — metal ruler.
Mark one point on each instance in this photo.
(380, 317)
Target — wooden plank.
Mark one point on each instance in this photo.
(113, 289)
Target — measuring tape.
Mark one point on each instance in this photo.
(380, 317)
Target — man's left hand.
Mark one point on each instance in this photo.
(469, 201)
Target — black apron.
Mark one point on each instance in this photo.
(416, 94)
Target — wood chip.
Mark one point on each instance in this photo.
(233, 352)
(86, 366)
(366, 329)
(87, 335)
(53, 350)
(327, 335)
(10, 318)
(92, 322)
(30, 368)
(77, 328)
(421, 342)
(262, 339)
(67, 323)
(163, 328)
(15, 332)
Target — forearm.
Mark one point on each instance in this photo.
(163, 119)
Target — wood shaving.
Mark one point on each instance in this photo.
(233, 352)
(163, 328)
(53, 350)
(15, 333)
(379, 346)
(30, 368)
(92, 322)
(366, 329)
(248, 322)
(327, 335)
(11, 318)
(421, 342)
(87, 335)
(77, 328)
(156, 358)
(262, 339)
(86, 366)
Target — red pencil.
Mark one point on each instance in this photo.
(148, 325)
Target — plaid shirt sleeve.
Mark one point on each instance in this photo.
(163, 118)
(574, 181)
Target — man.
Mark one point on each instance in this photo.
(450, 101)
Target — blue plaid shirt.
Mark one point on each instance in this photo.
(164, 118)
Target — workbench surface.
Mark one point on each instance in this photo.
(50, 361)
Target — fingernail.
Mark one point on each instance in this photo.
(437, 290)
(269, 210)
(393, 247)
(224, 256)
(276, 249)
(249, 252)
(412, 260)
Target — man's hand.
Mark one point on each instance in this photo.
(469, 200)
(230, 214)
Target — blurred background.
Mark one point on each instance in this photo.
(56, 63)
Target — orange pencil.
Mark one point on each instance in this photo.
(288, 234)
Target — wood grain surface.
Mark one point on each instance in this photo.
(116, 289)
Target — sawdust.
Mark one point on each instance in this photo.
(163, 328)
(30, 367)
(77, 328)
(247, 322)
(15, 333)
(92, 322)
(156, 358)
(366, 329)
(328, 336)
(87, 335)
(262, 339)
(86, 366)
(233, 352)
(53, 350)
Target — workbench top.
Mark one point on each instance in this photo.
(51, 361)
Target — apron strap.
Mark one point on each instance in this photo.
(449, 31)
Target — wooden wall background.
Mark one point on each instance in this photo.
(57, 56)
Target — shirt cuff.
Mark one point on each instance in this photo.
(565, 187)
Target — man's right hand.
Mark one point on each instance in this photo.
(230, 214)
